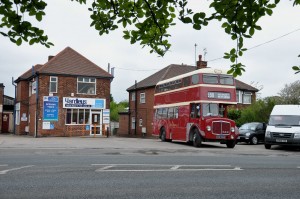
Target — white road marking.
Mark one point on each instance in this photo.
(162, 167)
(175, 167)
(104, 168)
(13, 169)
(194, 165)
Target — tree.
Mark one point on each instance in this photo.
(115, 108)
(145, 21)
(259, 111)
(290, 94)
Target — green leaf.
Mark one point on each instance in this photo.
(251, 31)
(197, 26)
(224, 25)
(39, 16)
(295, 68)
(19, 41)
(187, 20)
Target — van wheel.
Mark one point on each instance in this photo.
(196, 138)
(163, 134)
(268, 146)
(254, 140)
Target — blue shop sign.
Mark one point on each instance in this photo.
(50, 112)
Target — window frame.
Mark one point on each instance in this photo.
(247, 94)
(142, 98)
(56, 83)
(133, 96)
(87, 80)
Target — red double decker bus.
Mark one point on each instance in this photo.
(193, 108)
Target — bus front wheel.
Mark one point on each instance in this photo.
(230, 144)
(196, 138)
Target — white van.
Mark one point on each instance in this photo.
(284, 126)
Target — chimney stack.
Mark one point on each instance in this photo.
(200, 63)
(50, 57)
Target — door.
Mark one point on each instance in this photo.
(5, 123)
(96, 123)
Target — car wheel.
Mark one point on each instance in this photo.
(268, 146)
(254, 140)
(196, 139)
(163, 134)
(230, 144)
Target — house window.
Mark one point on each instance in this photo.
(17, 108)
(133, 123)
(142, 98)
(32, 87)
(78, 116)
(239, 96)
(247, 98)
(53, 85)
(86, 85)
(133, 96)
(141, 122)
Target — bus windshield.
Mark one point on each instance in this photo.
(210, 109)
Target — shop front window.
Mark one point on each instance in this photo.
(78, 116)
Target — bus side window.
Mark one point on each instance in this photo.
(176, 112)
(195, 110)
(171, 112)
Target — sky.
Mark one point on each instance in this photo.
(269, 60)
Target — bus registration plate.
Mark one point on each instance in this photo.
(281, 140)
(220, 136)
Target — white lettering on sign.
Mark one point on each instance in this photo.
(218, 95)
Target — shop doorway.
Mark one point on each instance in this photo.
(96, 123)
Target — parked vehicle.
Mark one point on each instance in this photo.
(253, 132)
(284, 126)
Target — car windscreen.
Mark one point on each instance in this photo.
(284, 120)
(249, 126)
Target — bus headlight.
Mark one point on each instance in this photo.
(268, 134)
(208, 128)
(232, 129)
(297, 135)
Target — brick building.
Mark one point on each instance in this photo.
(67, 96)
(1, 103)
(138, 120)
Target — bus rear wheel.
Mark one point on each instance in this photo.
(196, 138)
(163, 135)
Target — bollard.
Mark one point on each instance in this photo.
(107, 132)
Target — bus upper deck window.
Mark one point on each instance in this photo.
(210, 79)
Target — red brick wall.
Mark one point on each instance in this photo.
(22, 98)
(66, 86)
(123, 124)
(144, 112)
(1, 105)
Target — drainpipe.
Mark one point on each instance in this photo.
(37, 105)
(15, 102)
(135, 126)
